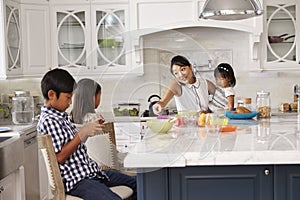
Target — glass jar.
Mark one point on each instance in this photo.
(22, 108)
(247, 103)
(240, 103)
(263, 104)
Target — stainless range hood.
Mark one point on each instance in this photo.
(231, 9)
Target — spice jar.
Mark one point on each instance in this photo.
(263, 104)
(22, 108)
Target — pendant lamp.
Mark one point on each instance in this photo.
(231, 9)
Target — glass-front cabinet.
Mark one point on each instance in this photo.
(108, 29)
(13, 38)
(281, 35)
(70, 37)
(89, 38)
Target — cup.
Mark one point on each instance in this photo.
(189, 118)
(212, 124)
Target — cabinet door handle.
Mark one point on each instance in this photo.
(267, 172)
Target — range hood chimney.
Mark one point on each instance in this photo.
(231, 9)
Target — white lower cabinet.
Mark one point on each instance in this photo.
(12, 187)
(127, 135)
(7, 186)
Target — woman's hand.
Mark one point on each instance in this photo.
(157, 108)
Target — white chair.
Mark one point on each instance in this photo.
(102, 149)
(55, 180)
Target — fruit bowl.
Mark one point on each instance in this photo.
(160, 125)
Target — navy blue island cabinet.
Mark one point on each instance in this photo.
(242, 182)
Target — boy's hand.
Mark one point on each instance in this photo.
(89, 129)
(100, 119)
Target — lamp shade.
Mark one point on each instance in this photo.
(231, 9)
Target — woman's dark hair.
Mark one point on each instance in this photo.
(58, 80)
(180, 61)
(83, 101)
(225, 71)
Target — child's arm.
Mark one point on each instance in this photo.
(88, 130)
(230, 102)
(68, 149)
(230, 93)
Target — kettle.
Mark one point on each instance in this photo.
(151, 113)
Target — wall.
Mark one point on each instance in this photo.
(182, 41)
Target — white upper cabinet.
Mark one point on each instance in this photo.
(36, 49)
(39, 2)
(81, 1)
(69, 2)
(27, 39)
(281, 32)
(12, 38)
(71, 37)
(109, 45)
(167, 14)
(150, 16)
(171, 14)
(86, 37)
(90, 39)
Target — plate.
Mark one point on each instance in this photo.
(4, 129)
(241, 116)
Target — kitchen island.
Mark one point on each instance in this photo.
(259, 161)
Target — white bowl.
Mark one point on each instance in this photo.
(160, 125)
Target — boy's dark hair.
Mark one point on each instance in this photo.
(58, 80)
(225, 71)
(180, 61)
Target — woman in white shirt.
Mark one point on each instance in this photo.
(190, 92)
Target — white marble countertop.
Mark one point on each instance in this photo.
(255, 142)
(17, 130)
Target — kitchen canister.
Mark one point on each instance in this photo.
(263, 104)
(247, 103)
(22, 108)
